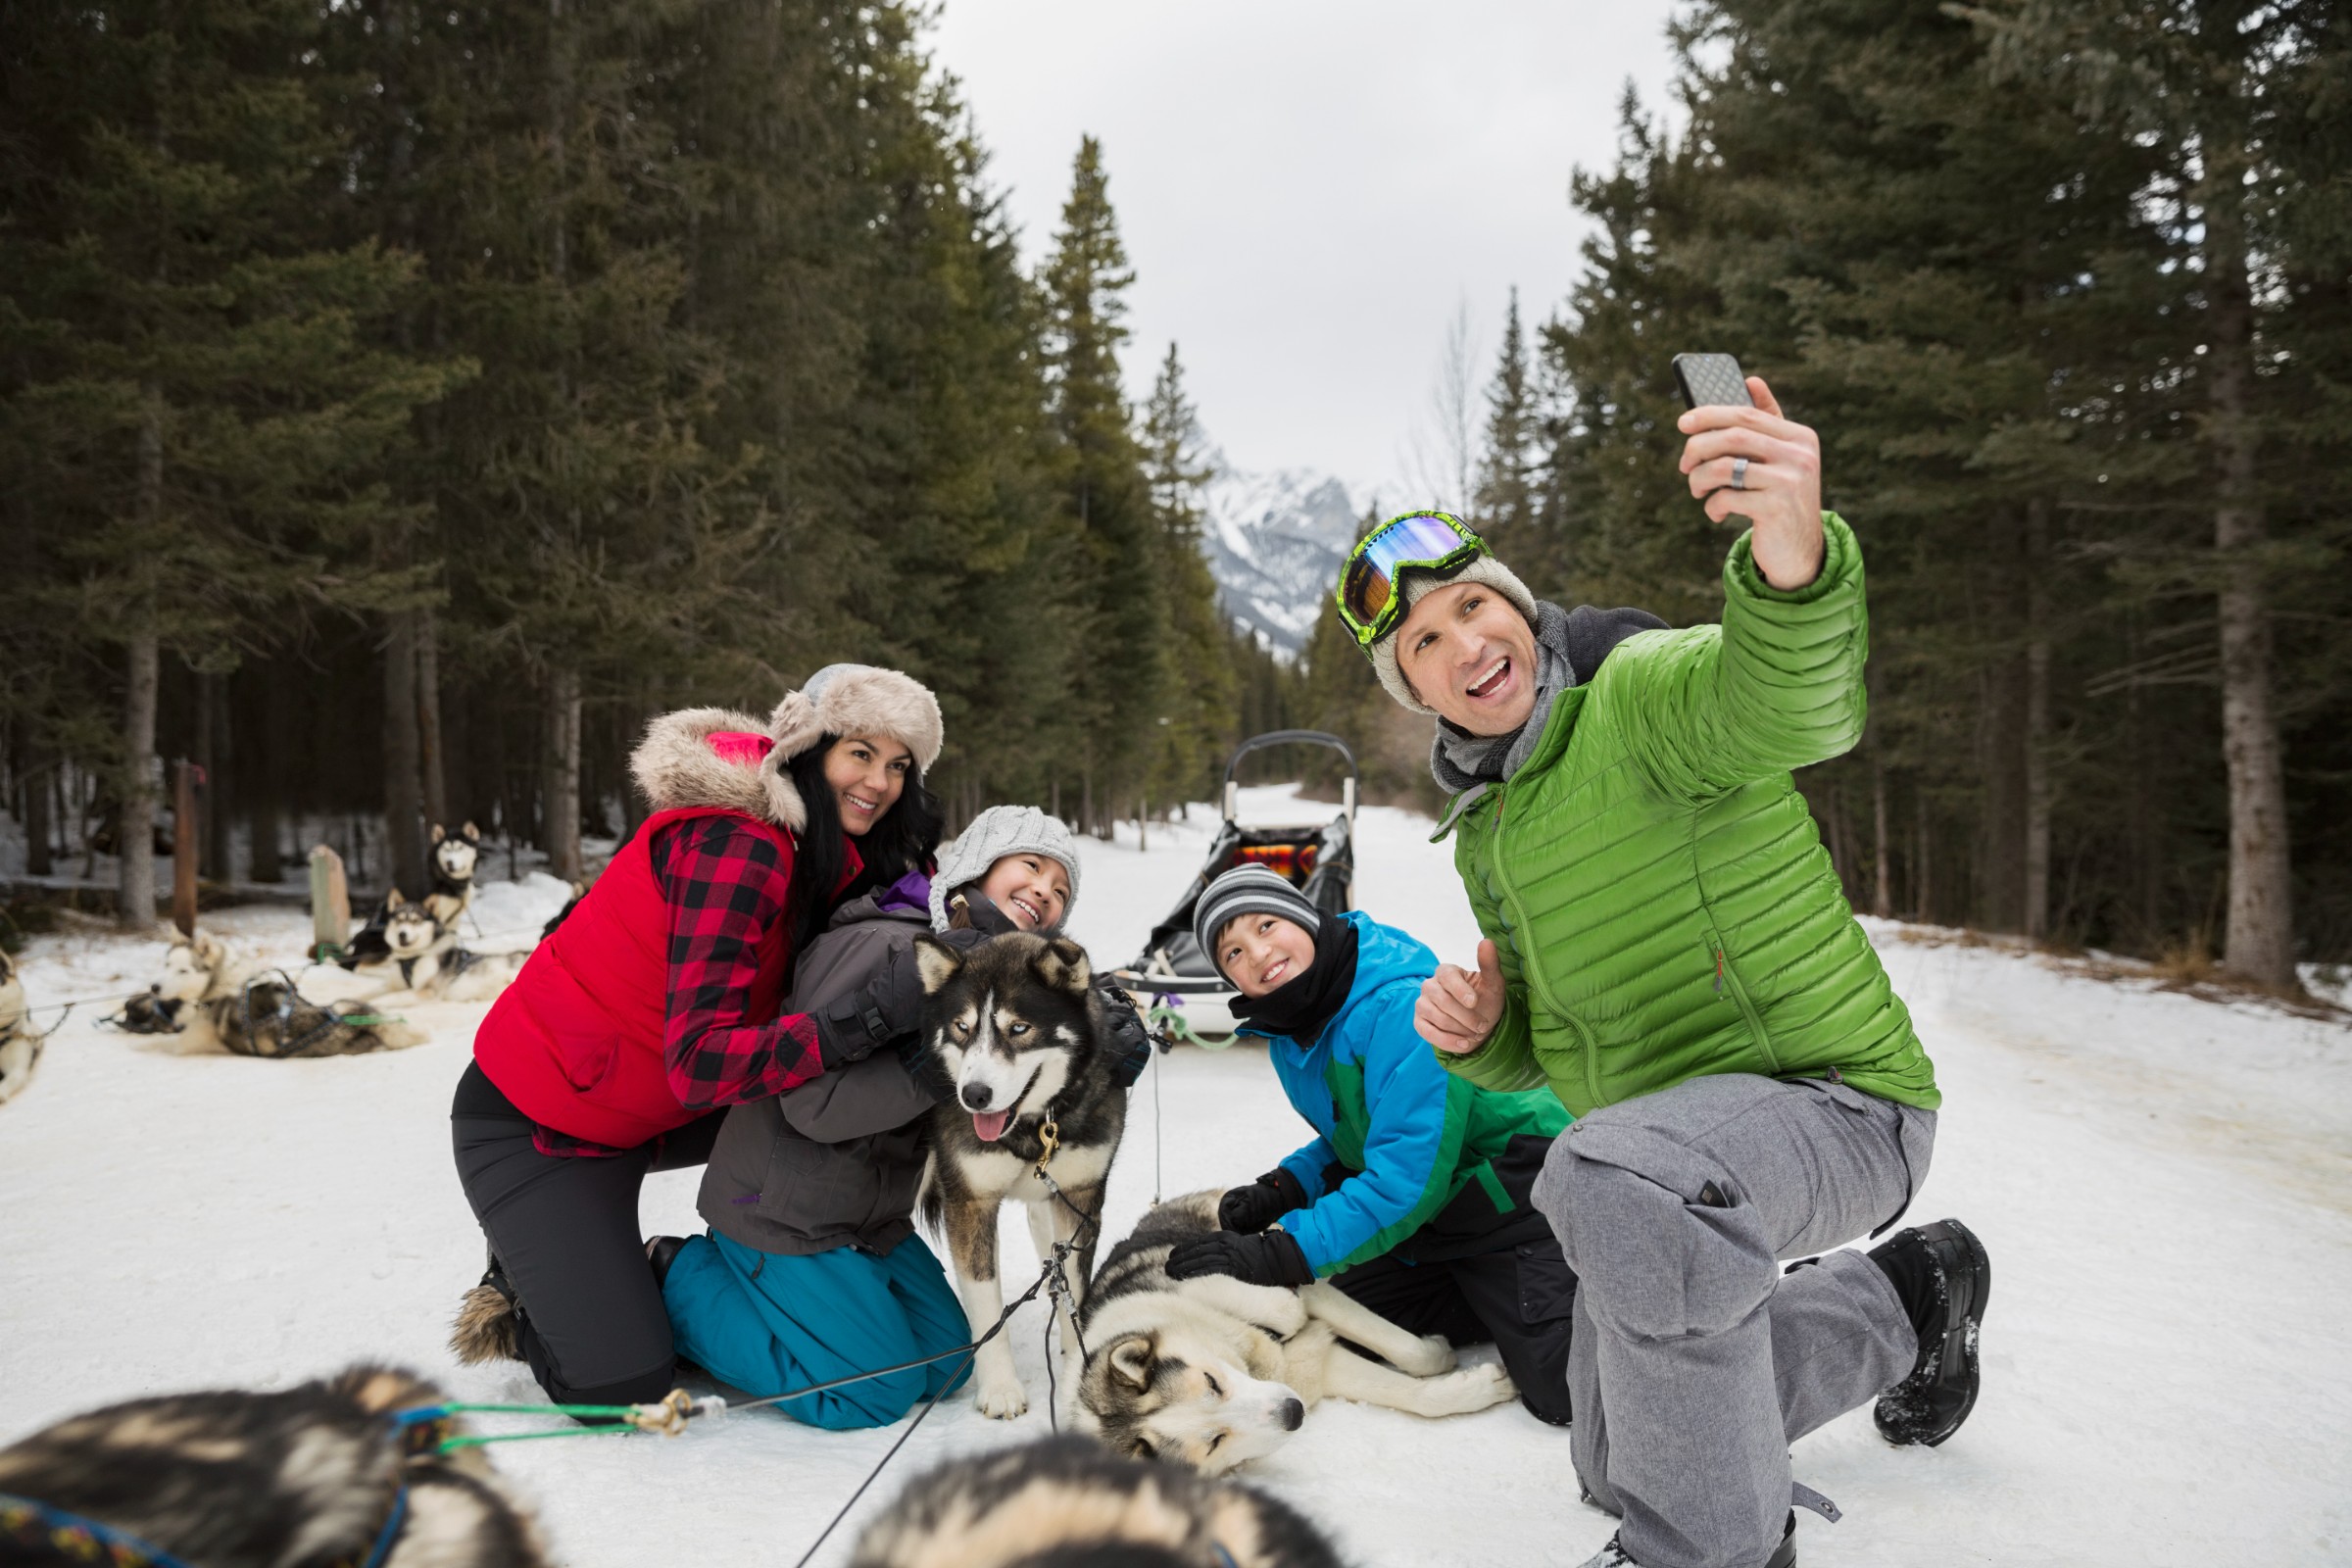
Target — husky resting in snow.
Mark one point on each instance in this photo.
(1016, 1025)
(313, 1474)
(19, 1047)
(1063, 1501)
(1213, 1373)
(215, 1002)
(421, 955)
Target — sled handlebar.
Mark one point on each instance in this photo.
(1290, 737)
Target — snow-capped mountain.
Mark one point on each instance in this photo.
(1275, 542)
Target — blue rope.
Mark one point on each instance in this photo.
(125, 1551)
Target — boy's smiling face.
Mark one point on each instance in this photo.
(1260, 952)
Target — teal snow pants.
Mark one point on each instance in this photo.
(770, 1322)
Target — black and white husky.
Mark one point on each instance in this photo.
(455, 856)
(19, 1047)
(315, 1474)
(1064, 1501)
(1212, 1372)
(421, 955)
(1016, 1027)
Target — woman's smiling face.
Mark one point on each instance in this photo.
(1033, 890)
(866, 774)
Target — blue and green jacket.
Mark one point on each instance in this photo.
(1408, 1158)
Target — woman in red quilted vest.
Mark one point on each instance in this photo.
(653, 1007)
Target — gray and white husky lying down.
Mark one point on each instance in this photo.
(19, 1046)
(210, 1002)
(1214, 1372)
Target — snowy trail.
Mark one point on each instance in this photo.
(2165, 1185)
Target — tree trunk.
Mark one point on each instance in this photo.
(188, 846)
(40, 828)
(1998, 897)
(404, 804)
(2258, 942)
(1882, 898)
(215, 804)
(2036, 736)
(561, 831)
(1922, 885)
(429, 751)
(134, 834)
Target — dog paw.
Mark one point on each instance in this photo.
(1472, 1388)
(1434, 1357)
(1002, 1402)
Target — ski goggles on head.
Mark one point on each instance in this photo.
(1370, 604)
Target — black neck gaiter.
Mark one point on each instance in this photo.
(1300, 1006)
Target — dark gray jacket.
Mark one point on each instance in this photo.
(834, 1163)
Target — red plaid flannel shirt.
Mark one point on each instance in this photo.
(724, 887)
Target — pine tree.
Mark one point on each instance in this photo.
(1505, 501)
(1116, 693)
(1194, 726)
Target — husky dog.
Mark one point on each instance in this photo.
(1213, 1372)
(455, 856)
(1015, 1026)
(1064, 1501)
(216, 1002)
(19, 1047)
(315, 1474)
(421, 955)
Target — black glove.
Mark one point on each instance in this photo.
(853, 1026)
(1129, 1042)
(1270, 1258)
(1251, 1209)
(923, 1064)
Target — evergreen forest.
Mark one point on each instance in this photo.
(398, 406)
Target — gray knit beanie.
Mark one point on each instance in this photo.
(994, 833)
(1249, 890)
(1418, 582)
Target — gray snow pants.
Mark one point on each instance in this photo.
(1695, 1361)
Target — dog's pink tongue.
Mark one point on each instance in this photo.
(990, 1124)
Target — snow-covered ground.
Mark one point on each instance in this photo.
(2164, 1184)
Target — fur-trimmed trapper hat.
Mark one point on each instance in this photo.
(721, 756)
(859, 699)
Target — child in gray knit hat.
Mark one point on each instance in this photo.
(1016, 858)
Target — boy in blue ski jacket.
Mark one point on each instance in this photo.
(1413, 1196)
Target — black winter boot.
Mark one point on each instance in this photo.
(661, 1252)
(1943, 1277)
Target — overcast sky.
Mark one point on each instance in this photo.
(1309, 190)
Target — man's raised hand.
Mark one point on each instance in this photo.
(1779, 487)
(1458, 1009)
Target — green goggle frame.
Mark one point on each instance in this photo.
(1370, 605)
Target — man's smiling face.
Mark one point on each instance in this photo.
(1468, 653)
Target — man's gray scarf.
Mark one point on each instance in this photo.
(1570, 645)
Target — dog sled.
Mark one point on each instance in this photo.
(1186, 992)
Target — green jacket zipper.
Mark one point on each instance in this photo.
(1527, 967)
(1724, 974)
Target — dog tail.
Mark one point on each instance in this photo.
(485, 1329)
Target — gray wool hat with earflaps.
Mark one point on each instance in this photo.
(994, 833)
(1418, 582)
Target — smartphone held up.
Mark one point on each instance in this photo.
(1711, 381)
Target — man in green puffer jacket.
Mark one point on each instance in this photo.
(1669, 949)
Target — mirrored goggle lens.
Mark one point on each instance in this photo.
(1418, 540)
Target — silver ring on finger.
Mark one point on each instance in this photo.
(1738, 473)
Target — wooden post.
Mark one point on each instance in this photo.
(330, 904)
(187, 842)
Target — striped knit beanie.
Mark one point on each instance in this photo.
(1249, 890)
